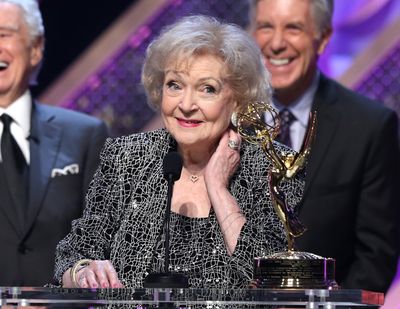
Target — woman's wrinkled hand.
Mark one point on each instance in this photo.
(225, 160)
(98, 274)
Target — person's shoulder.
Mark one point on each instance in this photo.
(254, 159)
(352, 102)
(136, 149)
(354, 110)
(250, 149)
(253, 156)
(255, 150)
(64, 115)
(150, 139)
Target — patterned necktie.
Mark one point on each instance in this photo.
(14, 164)
(287, 119)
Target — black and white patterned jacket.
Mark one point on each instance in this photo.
(125, 210)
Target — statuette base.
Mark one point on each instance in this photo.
(294, 270)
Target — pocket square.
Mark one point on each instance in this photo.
(67, 170)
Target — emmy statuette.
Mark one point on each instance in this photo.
(291, 268)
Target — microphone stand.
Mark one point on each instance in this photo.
(167, 279)
(167, 221)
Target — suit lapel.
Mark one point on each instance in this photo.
(44, 147)
(327, 122)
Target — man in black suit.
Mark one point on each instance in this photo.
(47, 159)
(351, 201)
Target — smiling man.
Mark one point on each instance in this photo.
(47, 155)
(291, 43)
(350, 204)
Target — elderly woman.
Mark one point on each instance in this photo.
(197, 73)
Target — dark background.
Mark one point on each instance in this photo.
(70, 27)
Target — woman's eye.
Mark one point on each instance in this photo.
(209, 89)
(173, 85)
(4, 34)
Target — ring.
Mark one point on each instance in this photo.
(233, 144)
(81, 279)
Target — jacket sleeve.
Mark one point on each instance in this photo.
(378, 211)
(98, 135)
(91, 234)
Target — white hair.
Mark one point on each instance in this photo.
(34, 21)
(244, 68)
(31, 15)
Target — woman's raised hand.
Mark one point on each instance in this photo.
(225, 160)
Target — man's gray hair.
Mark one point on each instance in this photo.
(322, 13)
(31, 15)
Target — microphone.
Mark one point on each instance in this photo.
(172, 168)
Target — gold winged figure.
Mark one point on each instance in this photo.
(253, 127)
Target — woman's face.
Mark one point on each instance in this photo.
(196, 103)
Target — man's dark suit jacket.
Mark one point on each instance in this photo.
(59, 138)
(351, 203)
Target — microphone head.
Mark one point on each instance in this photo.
(172, 166)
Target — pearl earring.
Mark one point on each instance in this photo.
(234, 119)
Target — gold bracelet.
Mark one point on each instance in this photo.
(77, 267)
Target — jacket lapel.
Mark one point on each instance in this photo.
(44, 147)
(327, 122)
